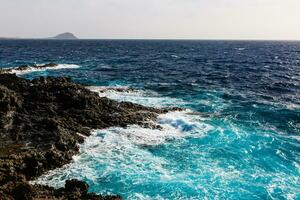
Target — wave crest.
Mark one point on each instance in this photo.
(35, 68)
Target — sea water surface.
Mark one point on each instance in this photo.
(239, 137)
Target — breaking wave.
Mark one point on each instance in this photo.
(38, 68)
(143, 97)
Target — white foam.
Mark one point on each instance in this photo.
(122, 150)
(112, 150)
(105, 91)
(34, 69)
(143, 97)
(185, 121)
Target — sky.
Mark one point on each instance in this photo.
(152, 19)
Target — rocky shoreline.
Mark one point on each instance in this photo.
(42, 121)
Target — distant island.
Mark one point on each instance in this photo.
(65, 36)
(62, 36)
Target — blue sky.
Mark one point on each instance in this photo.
(152, 19)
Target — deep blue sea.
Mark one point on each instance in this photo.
(239, 137)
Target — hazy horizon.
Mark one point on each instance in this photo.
(155, 19)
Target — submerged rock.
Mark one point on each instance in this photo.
(41, 124)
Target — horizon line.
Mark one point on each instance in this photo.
(170, 39)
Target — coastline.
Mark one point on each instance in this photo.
(237, 136)
(42, 123)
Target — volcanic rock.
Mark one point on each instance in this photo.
(42, 121)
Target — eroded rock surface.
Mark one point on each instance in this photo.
(41, 124)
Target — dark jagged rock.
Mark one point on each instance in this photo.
(41, 124)
(74, 189)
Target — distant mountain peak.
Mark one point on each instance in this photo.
(65, 36)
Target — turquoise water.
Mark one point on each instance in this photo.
(239, 137)
(193, 157)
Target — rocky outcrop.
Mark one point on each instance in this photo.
(23, 68)
(42, 121)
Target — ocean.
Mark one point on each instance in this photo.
(238, 136)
